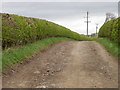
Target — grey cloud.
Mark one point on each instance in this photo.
(62, 12)
(60, 0)
(58, 10)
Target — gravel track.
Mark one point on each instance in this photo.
(69, 64)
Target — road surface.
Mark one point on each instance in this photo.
(69, 64)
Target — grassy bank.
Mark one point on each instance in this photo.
(111, 46)
(16, 55)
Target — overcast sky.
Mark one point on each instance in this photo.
(68, 14)
(60, 0)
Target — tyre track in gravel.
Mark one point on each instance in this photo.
(69, 64)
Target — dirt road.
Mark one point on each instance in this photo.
(84, 64)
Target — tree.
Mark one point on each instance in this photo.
(109, 16)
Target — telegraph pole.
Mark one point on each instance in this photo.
(87, 21)
(96, 28)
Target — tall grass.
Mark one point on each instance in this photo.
(13, 56)
(111, 46)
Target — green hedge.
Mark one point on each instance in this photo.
(18, 30)
(111, 30)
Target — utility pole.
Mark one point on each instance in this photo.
(96, 28)
(87, 21)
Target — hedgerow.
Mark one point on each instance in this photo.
(111, 30)
(19, 30)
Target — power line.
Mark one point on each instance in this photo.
(87, 21)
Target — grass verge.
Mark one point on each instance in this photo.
(111, 46)
(12, 56)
